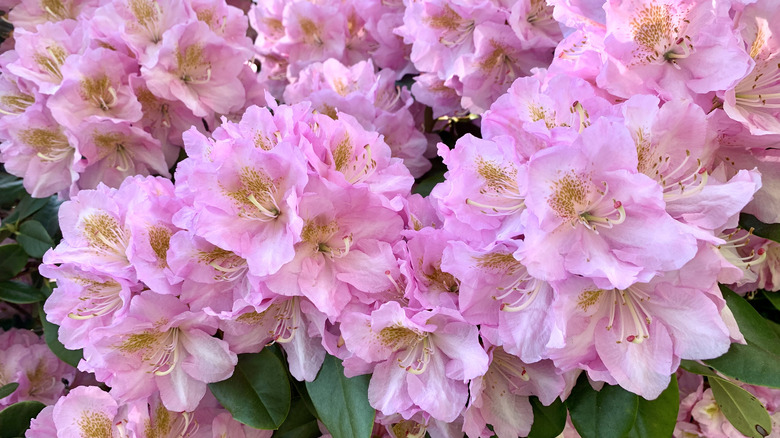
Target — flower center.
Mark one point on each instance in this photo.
(256, 198)
(414, 347)
(193, 69)
(500, 190)
(659, 32)
(575, 199)
(97, 298)
(160, 350)
(49, 145)
(228, 265)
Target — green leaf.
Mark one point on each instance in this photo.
(749, 364)
(341, 402)
(656, 418)
(15, 419)
(549, 421)
(34, 238)
(12, 260)
(752, 325)
(8, 389)
(20, 293)
(608, 413)
(696, 368)
(258, 392)
(428, 182)
(11, 188)
(25, 208)
(300, 423)
(767, 231)
(741, 408)
(774, 298)
(50, 334)
(758, 362)
(48, 216)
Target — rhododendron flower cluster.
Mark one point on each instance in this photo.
(98, 91)
(470, 52)
(583, 228)
(27, 361)
(291, 35)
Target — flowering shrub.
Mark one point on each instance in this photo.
(395, 218)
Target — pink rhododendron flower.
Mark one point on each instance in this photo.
(285, 321)
(27, 361)
(95, 87)
(753, 101)
(500, 397)
(423, 358)
(160, 345)
(199, 68)
(39, 150)
(670, 48)
(590, 210)
(635, 337)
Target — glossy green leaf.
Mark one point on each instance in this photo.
(428, 182)
(657, 418)
(774, 298)
(34, 238)
(549, 421)
(607, 413)
(15, 419)
(697, 368)
(767, 231)
(300, 423)
(758, 362)
(752, 325)
(8, 389)
(20, 293)
(749, 364)
(25, 208)
(741, 408)
(50, 335)
(258, 392)
(12, 260)
(48, 216)
(11, 188)
(341, 402)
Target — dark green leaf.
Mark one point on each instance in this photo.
(300, 423)
(610, 412)
(549, 421)
(749, 364)
(12, 260)
(767, 231)
(342, 403)
(258, 392)
(774, 326)
(428, 182)
(758, 362)
(11, 189)
(696, 368)
(48, 216)
(50, 333)
(26, 207)
(300, 389)
(656, 418)
(20, 293)
(15, 419)
(8, 389)
(34, 238)
(741, 408)
(774, 298)
(752, 325)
